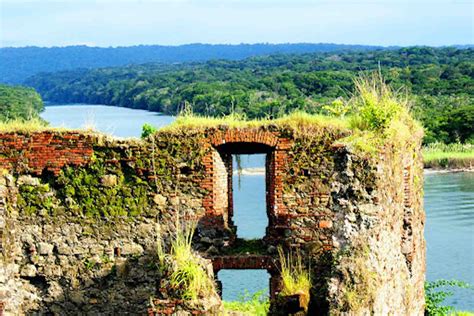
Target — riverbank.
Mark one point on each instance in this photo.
(449, 157)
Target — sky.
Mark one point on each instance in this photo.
(173, 22)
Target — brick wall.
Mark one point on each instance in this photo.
(46, 151)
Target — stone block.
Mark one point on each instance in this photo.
(28, 270)
(159, 200)
(45, 249)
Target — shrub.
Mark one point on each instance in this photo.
(148, 130)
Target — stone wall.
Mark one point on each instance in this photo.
(81, 214)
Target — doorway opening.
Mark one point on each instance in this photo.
(249, 196)
(243, 185)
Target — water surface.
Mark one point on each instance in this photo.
(449, 231)
(117, 121)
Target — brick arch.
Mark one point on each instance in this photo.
(257, 136)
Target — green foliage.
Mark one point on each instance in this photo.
(246, 246)
(86, 192)
(271, 86)
(90, 264)
(295, 276)
(20, 63)
(148, 130)
(338, 108)
(19, 103)
(446, 119)
(375, 104)
(454, 155)
(435, 294)
(257, 304)
(35, 198)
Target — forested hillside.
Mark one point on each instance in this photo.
(442, 80)
(19, 63)
(19, 103)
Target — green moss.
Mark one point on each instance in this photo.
(246, 247)
(34, 198)
(87, 195)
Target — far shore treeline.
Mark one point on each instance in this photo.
(440, 79)
(440, 82)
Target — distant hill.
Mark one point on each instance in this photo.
(17, 64)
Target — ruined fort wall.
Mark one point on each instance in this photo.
(81, 214)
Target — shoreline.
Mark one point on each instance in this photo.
(261, 171)
(446, 170)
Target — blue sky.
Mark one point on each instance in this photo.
(174, 22)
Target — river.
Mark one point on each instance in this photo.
(449, 204)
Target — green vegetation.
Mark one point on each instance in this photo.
(296, 120)
(441, 79)
(22, 62)
(19, 103)
(148, 130)
(88, 191)
(435, 296)
(257, 304)
(246, 246)
(19, 125)
(295, 276)
(375, 104)
(188, 277)
(439, 155)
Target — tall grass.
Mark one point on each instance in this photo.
(295, 276)
(294, 119)
(188, 276)
(20, 125)
(375, 104)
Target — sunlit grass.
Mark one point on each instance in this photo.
(296, 119)
(19, 125)
(295, 276)
(438, 155)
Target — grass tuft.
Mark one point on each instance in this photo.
(19, 125)
(295, 277)
(188, 277)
